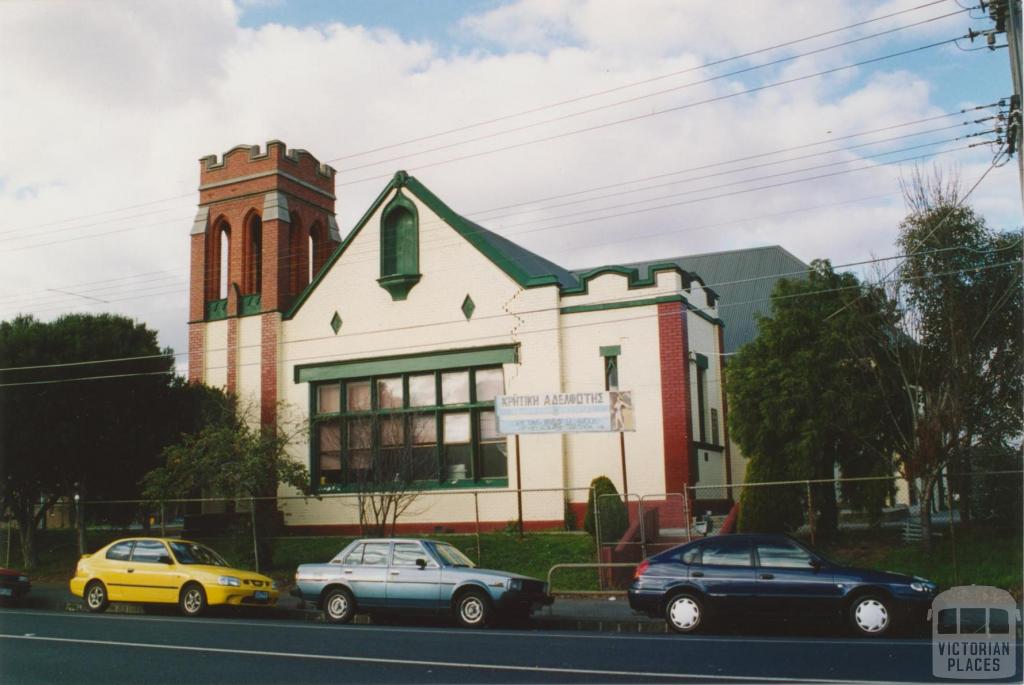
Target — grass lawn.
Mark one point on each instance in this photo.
(984, 556)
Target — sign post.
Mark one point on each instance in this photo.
(519, 487)
(609, 411)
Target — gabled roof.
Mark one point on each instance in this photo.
(526, 268)
(744, 280)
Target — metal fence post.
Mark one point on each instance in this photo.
(476, 509)
(597, 534)
(810, 510)
(952, 535)
(163, 521)
(255, 542)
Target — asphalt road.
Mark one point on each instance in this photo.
(56, 647)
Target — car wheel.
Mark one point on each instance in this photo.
(473, 609)
(96, 597)
(684, 613)
(871, 615)
(193, 600)
(339, 607)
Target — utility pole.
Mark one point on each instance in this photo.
(1007, 17)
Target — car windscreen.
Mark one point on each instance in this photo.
(450, 556)
(194, 553)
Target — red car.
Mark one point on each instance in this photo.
(13, 585)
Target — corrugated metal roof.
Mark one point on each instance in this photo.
(744, 280)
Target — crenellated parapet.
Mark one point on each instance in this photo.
(275, 149)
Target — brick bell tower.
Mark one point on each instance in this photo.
(265, 225)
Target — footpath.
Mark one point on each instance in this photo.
(605, 614)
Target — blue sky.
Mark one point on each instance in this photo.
(126, 97)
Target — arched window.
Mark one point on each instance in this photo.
(311, 253)
(222, 268)
(253, 276)
(298, 246)
(399, 247)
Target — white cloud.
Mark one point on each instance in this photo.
(109, 105)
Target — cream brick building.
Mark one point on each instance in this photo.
(396, 340)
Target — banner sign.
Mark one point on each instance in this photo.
(565, 412)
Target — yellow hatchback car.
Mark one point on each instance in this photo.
(166, 571)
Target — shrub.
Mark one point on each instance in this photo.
(769, 509)
(614, 520)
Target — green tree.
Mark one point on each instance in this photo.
(73, 424)
(952, 368)
(802, 402)
(234, 457)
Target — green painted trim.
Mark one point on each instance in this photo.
(399, 285)
(605, 306)
(249, 304)
(632, 275)
(611, 351)
(407, 363)
(701, 360)
(217, 310)
(340, 250)
(704, 315)
(467, 229)
(426, 485)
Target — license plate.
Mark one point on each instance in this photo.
(6, 592)
(261, 596)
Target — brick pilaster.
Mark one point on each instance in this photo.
(196, 358)
(270, 327)
(674, 351)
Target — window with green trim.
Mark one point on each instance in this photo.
(399, 247)
(438, 428)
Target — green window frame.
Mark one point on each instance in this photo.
(399, 247)
(406, 428)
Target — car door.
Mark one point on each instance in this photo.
(112, 569)
(791, 581)
(725, 573)
(365, 569)
(149, 577)
(414, 578)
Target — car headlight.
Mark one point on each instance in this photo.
(922, 586)
(22, 579)
(230, 581)
(515, 585)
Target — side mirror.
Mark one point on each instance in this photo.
(815, 564)
(421, 563)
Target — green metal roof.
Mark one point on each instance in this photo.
(744, 281)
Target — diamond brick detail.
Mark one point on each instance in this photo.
(468, 307)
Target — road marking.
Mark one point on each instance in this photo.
(439, 664)
(543, 634)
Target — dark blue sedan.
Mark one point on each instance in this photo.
(775, 576)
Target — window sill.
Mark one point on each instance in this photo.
(399, 285)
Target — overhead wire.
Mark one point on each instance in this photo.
(540, 310)
(491, 337)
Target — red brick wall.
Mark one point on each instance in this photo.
(231, 205)
(196, 359)
(674, 351)
(270, 325)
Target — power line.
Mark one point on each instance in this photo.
(677, 108)
(444, 242)
(607, 91)
(491, 337)
(540, 310)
